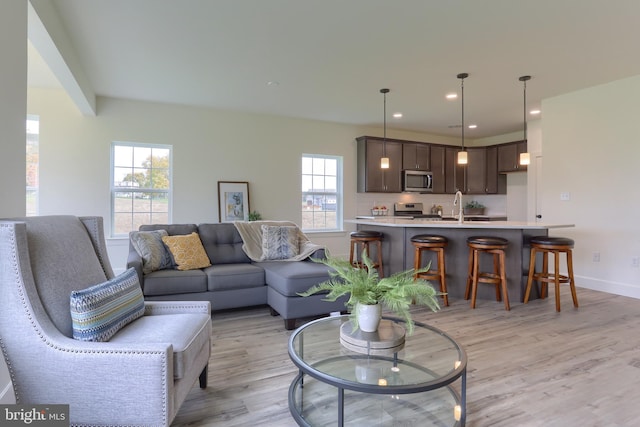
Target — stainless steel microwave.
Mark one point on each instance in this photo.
(417, 181)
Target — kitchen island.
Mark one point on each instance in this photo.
(398, 252)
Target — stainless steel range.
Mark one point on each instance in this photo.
(412, 210)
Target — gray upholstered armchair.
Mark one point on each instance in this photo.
(139, 376)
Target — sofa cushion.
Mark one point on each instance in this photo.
(224, 277)
(98, 312)
(153, 252)
(291, 277)
(187, 251)
(186, 332)
(222, 243)
(170, 282)
(279, 242)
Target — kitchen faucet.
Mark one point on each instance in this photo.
(458, 200)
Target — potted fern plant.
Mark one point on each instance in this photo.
(395, 293)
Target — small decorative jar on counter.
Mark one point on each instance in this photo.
(379, 211)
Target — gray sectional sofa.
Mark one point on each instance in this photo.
(233, 280)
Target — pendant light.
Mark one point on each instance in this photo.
(525, 158)
(462, 155)
(384, 161)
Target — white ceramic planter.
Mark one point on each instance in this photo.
(368, 317)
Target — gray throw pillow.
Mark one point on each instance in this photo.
(279, 242)
(153, 252)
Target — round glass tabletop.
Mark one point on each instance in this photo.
(428, 359)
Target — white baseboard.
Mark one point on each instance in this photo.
(623, 289)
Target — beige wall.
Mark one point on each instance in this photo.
(208, 146)
(591, 150)
(13, 86)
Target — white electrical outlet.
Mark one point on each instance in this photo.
(596, 257)
(635, 262)
(565, 196)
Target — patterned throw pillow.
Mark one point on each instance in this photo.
(187, 251)
(153, 252)
(98, 312)
(279, 242)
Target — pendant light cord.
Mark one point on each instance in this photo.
(524, 80)
(462, 76)
(384, 120)
(384, 113)
(524, 109)
(462, 95)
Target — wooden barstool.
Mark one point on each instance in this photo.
(427, 242)
(491, 245)
(547, 245)
(365, 238)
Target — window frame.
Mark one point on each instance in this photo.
(339, 193)
(119, 189)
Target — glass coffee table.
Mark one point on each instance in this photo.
(408, 385)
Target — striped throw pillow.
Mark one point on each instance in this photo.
(98, 312)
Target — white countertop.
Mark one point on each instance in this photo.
(427, 223)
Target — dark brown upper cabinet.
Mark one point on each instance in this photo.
(484, 174)
(509, 157)
(371, 177)
(416, 156)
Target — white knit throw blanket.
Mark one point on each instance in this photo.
(251, 233)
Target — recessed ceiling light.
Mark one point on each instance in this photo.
(534, 112)
(452, 96)
(397, 115)
(473, 126)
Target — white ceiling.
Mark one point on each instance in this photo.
(331, 57)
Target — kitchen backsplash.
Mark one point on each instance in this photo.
(496, 204)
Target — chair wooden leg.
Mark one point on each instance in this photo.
(503, 281)
(469, 275)
(556, 260)
(474, 281)
(380, 266)
(351, 251)
(532, 266)
(417, 261)
(443, 275)
(545, 271)
(496, 271)
(572, 282)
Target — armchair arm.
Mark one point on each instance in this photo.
(152, 308)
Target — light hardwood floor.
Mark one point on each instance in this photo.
(527, 367)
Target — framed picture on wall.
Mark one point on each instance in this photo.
(233, 201)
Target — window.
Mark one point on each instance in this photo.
(321, 193)
(140, 186)
(33, 164)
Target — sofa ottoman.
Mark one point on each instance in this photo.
(286, 279)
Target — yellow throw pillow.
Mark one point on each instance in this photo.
(187, 251)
